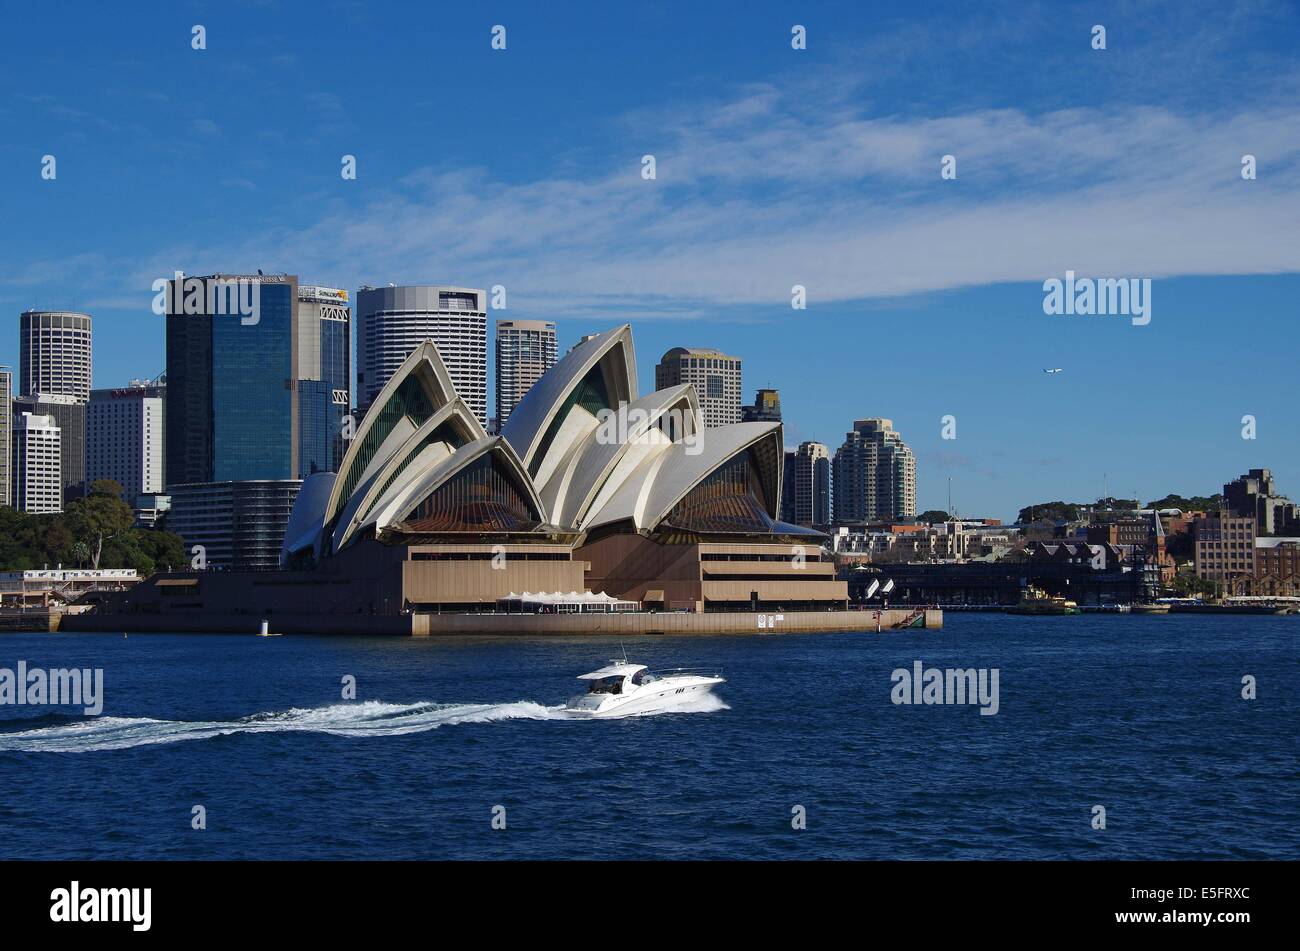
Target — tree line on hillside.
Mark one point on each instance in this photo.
(95, 531)
(1073, 511)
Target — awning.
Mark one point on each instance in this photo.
(655, 594)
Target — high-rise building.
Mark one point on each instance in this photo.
(393, 321)
(874, 474)
(239, 526)
(38, 483)
(716, 377)
(324, 377)
(55, 353)
(232, 395)
(766, 408)
(254, 396)
(6, 435)
(525, 350)
(124, 438)
(807, 488)
(69, 415)
(257, 390)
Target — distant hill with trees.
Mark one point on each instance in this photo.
(1072, 511)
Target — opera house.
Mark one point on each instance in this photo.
(591, 490)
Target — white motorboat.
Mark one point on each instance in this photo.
(623, 689)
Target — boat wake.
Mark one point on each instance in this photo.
(368, 718)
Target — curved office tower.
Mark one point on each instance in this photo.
(54, 350)
(393, 321)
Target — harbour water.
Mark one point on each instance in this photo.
(1141, 715)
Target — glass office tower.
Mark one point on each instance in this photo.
(254, 399)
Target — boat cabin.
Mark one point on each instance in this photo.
(617, 678)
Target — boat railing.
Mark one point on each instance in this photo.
(674, 671)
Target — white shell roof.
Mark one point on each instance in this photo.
(570, 492)
(650, 493)
(530, 419)
(423, 360)
(364, 497)
(586, 479)
(308, 509)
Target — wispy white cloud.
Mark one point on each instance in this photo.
(762, 190)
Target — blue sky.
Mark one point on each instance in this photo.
(775, 167)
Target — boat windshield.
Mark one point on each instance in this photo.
(607, 685)
(643, 677)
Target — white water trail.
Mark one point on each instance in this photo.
(368, 718)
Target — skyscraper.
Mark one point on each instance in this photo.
(807, 488)
(525, 350)
(874, 474)
(69, 415)
(393, 321)
(55, 354)
(324, 377)
(6, 435)
(256, 395)
(716, 377)
(124, 438)
(38, 484)
(232, 394)
(256, 391)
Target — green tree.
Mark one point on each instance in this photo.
(1050, 511)
(933, 517)
(98, 517)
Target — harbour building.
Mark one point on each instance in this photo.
(235, 526)
(766, 408)
(69, 415)
(324, 377)
(874, 474)
(715, 376)
(393, 321)
(38, 483)
(6, 435)
(124, 437)
(258, 393)
(808, 485)
(55, 353)
(525, 351)
(590, 487)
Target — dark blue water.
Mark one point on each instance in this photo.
(1143, 715)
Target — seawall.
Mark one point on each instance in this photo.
(435, 625)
